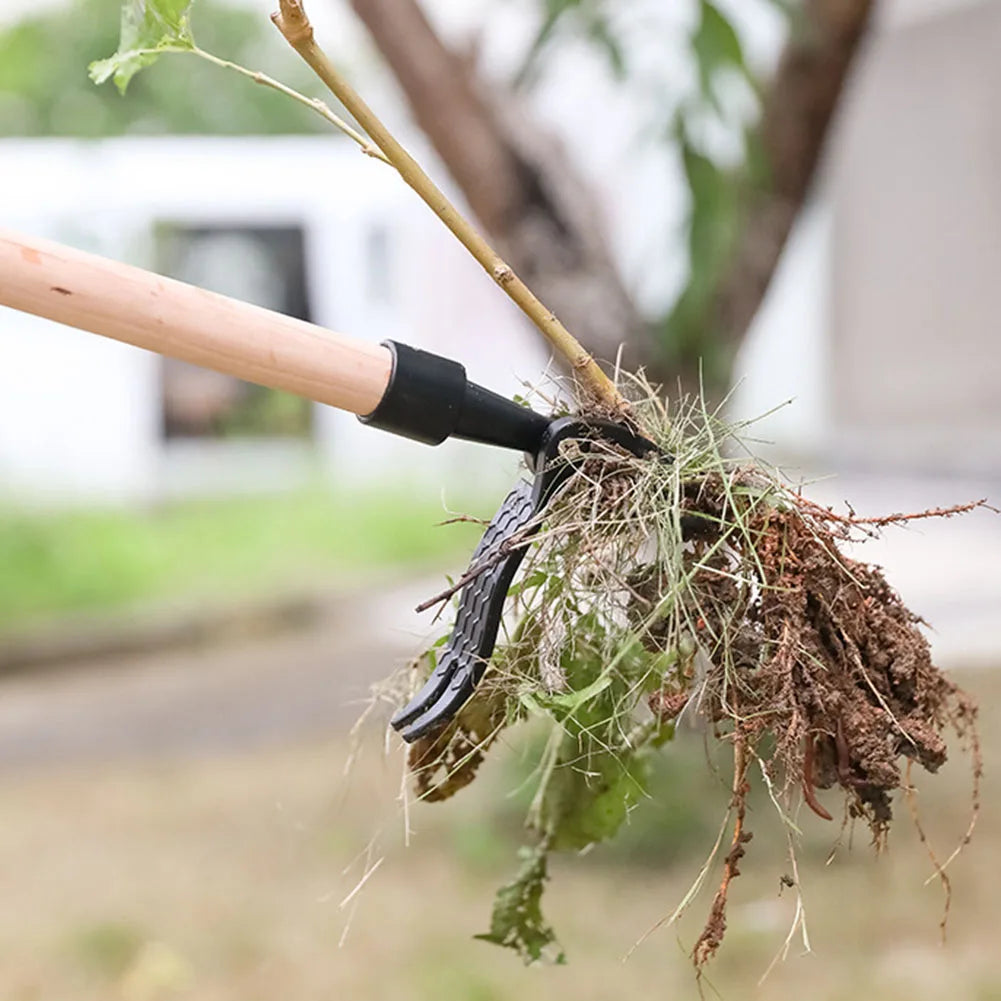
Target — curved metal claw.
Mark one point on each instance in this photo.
(481, 602)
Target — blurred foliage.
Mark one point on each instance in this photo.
(44, 88)
(266, 411)
(721, 176)
(670, 823)
(517, 921)
(589, 775)
(680, 812)
(44, 91)
(714, 223)
(105, 948)
(67, 561)
(593, 16)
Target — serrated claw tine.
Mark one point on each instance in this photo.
(441, 712)
(429, 694)
(481, 603)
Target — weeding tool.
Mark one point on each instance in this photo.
(391, 386)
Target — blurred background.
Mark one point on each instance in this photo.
(793, 204)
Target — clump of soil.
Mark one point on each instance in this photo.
(812, 661)
(824, 657)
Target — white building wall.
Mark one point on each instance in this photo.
(75, 417)
(882, 318)
(917, 248)
(782, 371)
(81, 416)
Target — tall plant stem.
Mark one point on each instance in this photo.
(292, 22)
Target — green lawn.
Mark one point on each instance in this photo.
(57, 562)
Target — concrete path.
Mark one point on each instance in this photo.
(197, 701)
(314, 680)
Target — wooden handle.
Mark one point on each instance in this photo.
(128, 304)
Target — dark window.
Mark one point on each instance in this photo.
(258, 264)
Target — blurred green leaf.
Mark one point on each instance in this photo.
(106, 948)
(688, 331)
(600, 32)
(713, 219)
(688, 335)
(44, 88)
(517, 922)
(716, 47)
(148, 28)
(591, 19)
(587, 799)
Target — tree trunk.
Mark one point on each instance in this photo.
(521, 185)
(796, 116)
(518, 180)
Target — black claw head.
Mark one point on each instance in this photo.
(481, 602)
(584, 430)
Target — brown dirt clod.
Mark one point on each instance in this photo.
(825, 672)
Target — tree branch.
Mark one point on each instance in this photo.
(313, 103)
(295, 26)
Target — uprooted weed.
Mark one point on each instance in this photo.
(699, 583)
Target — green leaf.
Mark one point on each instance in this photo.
(712, 227)
(714, 223)
(517, 922)
(535, 579)
(587, 800)
(589, 18)
(532, 704)
(148, 28)
(572, 701)
(716, 47)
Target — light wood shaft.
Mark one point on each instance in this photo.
(181, 321)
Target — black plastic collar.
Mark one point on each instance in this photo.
(429, 399)
(424, 397)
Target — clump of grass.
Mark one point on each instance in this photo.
(697, 583)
